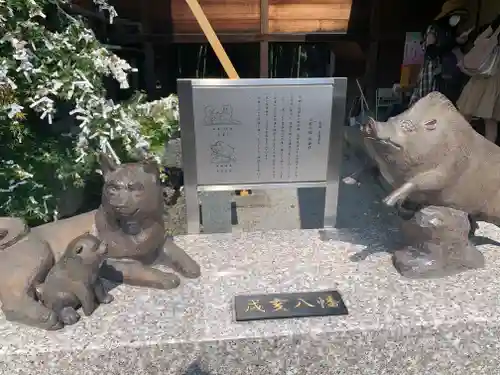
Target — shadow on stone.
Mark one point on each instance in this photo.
(361, 219)
(481, 240)
(234, 214)
(311, 207)
(195, 369)
(384, 242)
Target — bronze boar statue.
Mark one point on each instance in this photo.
(432, 156)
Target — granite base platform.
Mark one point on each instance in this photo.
(394, 326)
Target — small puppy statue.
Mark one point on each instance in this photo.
(74, 280)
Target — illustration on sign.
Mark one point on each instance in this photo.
(213, 117)
(222, 153)
(289, 305)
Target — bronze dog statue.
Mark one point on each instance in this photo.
(129, 221)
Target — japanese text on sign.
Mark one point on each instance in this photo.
(277, 304)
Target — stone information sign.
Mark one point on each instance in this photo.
(259, 134)
(262, 134)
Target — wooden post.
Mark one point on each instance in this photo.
(331, 64)
(214, 41)
(149, 71)
(372, 60)
(264, 44)
(478, 13)
(148, 51)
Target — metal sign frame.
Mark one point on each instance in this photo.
(185, 89)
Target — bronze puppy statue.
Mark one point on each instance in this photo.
(74, 281)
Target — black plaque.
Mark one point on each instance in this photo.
(288, 305)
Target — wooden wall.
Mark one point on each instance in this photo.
(239, 16)
(296, 16)
(284, 16)
(226, 16)
(488, 11)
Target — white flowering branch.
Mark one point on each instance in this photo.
(41, 66)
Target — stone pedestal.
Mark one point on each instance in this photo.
(437, 244)
(395, 325)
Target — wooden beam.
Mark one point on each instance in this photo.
(212, 38)
(363, 39)
(239, 38)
